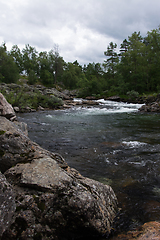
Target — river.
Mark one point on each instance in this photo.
(112, 143)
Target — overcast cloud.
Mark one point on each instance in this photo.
(81, 28)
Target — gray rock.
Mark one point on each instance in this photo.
(7, 204)
(67, 200)
(114, 98)
(151, 107)
(6, 109)
(56, 93)
(15, 146)
(16, 109)
(21, 126)
(40, 108)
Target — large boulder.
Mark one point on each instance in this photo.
(6, 109)
(7, 204)
(53, 201)
(15, 146)
(64, 201)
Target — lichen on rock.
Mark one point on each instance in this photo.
(7, 204)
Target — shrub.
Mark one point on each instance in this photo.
(18, 97)
(132, 94)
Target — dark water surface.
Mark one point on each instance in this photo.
(112, 143)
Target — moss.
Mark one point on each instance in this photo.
(37, 236)
(1, 153)
(19, 208)
(34, 196)
(41, 206)
(2, 132)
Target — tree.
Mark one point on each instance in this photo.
(71, 75)
(18, 57)
(110, 65)
(56, 64)
(93, 69)
(152, 43)
(137, 64)
(45, 73)
(112, 59)
(46, 77)
(8, 68)
(132, 66)
(30, 59)
(124, 47)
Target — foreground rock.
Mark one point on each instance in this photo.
(53, 201)
(6, 109)
(7, 204)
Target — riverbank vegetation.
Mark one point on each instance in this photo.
(131, 70)
(28, 97)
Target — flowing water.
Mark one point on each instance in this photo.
(112, 143)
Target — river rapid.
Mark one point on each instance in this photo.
(112, 143)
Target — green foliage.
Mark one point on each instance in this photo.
(41, 206)
(48, 101)
(112, 60)
(22, 98)
(32, 78)
(8, 69)
(18, 57)
(29, 56)
(2, 132)
(71, 75)
(46, 78)
(133, 94)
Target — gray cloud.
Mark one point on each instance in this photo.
(81, 28)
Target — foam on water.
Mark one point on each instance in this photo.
(105, 107)
(119, 104)
(134, 144)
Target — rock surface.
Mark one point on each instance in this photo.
(6, 109)
(7, 204)
(53, 201)
(151, 107)
(15, 146)
(149, 230)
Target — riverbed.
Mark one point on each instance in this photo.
(113, 143)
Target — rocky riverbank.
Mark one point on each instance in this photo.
(153, 107)
(41, 197)
(151, 103)
(29, 98)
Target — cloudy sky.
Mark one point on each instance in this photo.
(81, 28)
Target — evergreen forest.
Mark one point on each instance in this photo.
(134, 68)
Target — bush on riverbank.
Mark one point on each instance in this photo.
(26, 97)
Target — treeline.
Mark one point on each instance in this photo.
(134, 68)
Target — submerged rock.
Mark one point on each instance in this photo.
(149, 230)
